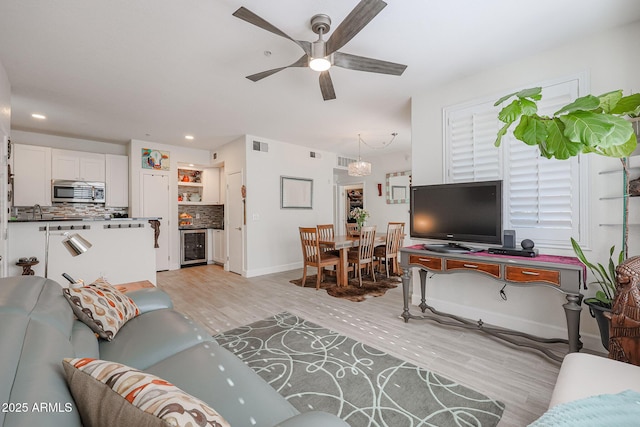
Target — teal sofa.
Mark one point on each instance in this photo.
(38, 329)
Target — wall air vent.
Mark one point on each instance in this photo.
(260, 146)
(343, 162)
(314, 155)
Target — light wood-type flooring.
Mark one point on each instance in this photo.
(523, 379)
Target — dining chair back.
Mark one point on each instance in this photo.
(363, 256)
(313, 256)
(389, 252)
(352, 228)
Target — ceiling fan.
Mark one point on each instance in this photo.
(321, 55)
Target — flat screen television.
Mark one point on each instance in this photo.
(469, 212)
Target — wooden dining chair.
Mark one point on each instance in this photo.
(314, 256)
(352, 228)
(389, 251)
(363, 256)
(325, 232)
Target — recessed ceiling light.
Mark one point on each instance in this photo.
(38, 116)
(188, 137)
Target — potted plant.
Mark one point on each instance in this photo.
(590, 124)
(603, 300)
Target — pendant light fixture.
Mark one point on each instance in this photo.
(362, 168)
(359, 168)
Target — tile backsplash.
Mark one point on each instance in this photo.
(205, 216)
(70, 210)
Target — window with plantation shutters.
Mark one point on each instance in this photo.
(542, 197)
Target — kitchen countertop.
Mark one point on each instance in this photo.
(200, 227)
(81, 218)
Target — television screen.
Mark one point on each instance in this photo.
(459, 212)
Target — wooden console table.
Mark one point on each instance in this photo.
(560, 273)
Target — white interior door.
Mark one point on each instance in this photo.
(235, 223)
(155, 203)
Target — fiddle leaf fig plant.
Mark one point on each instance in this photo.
(590, 124)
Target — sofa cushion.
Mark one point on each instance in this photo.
(223, 380)
(111, 394)
(154, 336)
(101, 307)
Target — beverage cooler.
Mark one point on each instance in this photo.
(193, 247)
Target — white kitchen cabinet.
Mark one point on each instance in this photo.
(31, 175)
(117, 181)
(77, 165)
(211, 186)
(219, 247)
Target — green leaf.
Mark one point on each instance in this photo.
(602, 297)
(504, 98)
(621, 132)
(534, 93)
(618, 151)
(529, 108)
(609, 100)
(557, 145)
(586, 127)
(585, 103)
(627, 105)
(501, 133)
(511, 112)
(531, 130)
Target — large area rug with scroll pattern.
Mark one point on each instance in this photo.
(318, 369)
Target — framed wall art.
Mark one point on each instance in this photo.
(296, 193)
(155, 159)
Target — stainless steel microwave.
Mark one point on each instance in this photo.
(77, 191)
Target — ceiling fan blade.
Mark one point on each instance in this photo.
(302, 62)
(361, 63)
(357, 19)
(246, 15)
(326, 86)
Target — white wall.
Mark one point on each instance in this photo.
(611, 61)
(177, 155)
(273, 240)
(5, 102)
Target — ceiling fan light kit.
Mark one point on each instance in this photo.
(321, 55)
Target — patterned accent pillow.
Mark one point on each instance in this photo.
(111, 394)
(101, 307)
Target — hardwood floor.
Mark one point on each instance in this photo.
(522, 379)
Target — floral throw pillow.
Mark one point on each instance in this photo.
(111, 394)
(101, 307)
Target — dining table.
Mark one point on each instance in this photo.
(342, 243)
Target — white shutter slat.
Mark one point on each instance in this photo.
(541, 196)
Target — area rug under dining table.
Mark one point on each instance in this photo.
(318, 369)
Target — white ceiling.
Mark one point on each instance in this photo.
(156, 70)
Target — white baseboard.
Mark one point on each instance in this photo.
(273, 269)
(590, 341)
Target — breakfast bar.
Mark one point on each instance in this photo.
(122, 249)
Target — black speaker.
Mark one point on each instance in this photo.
(527, 244)
(509, 239)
